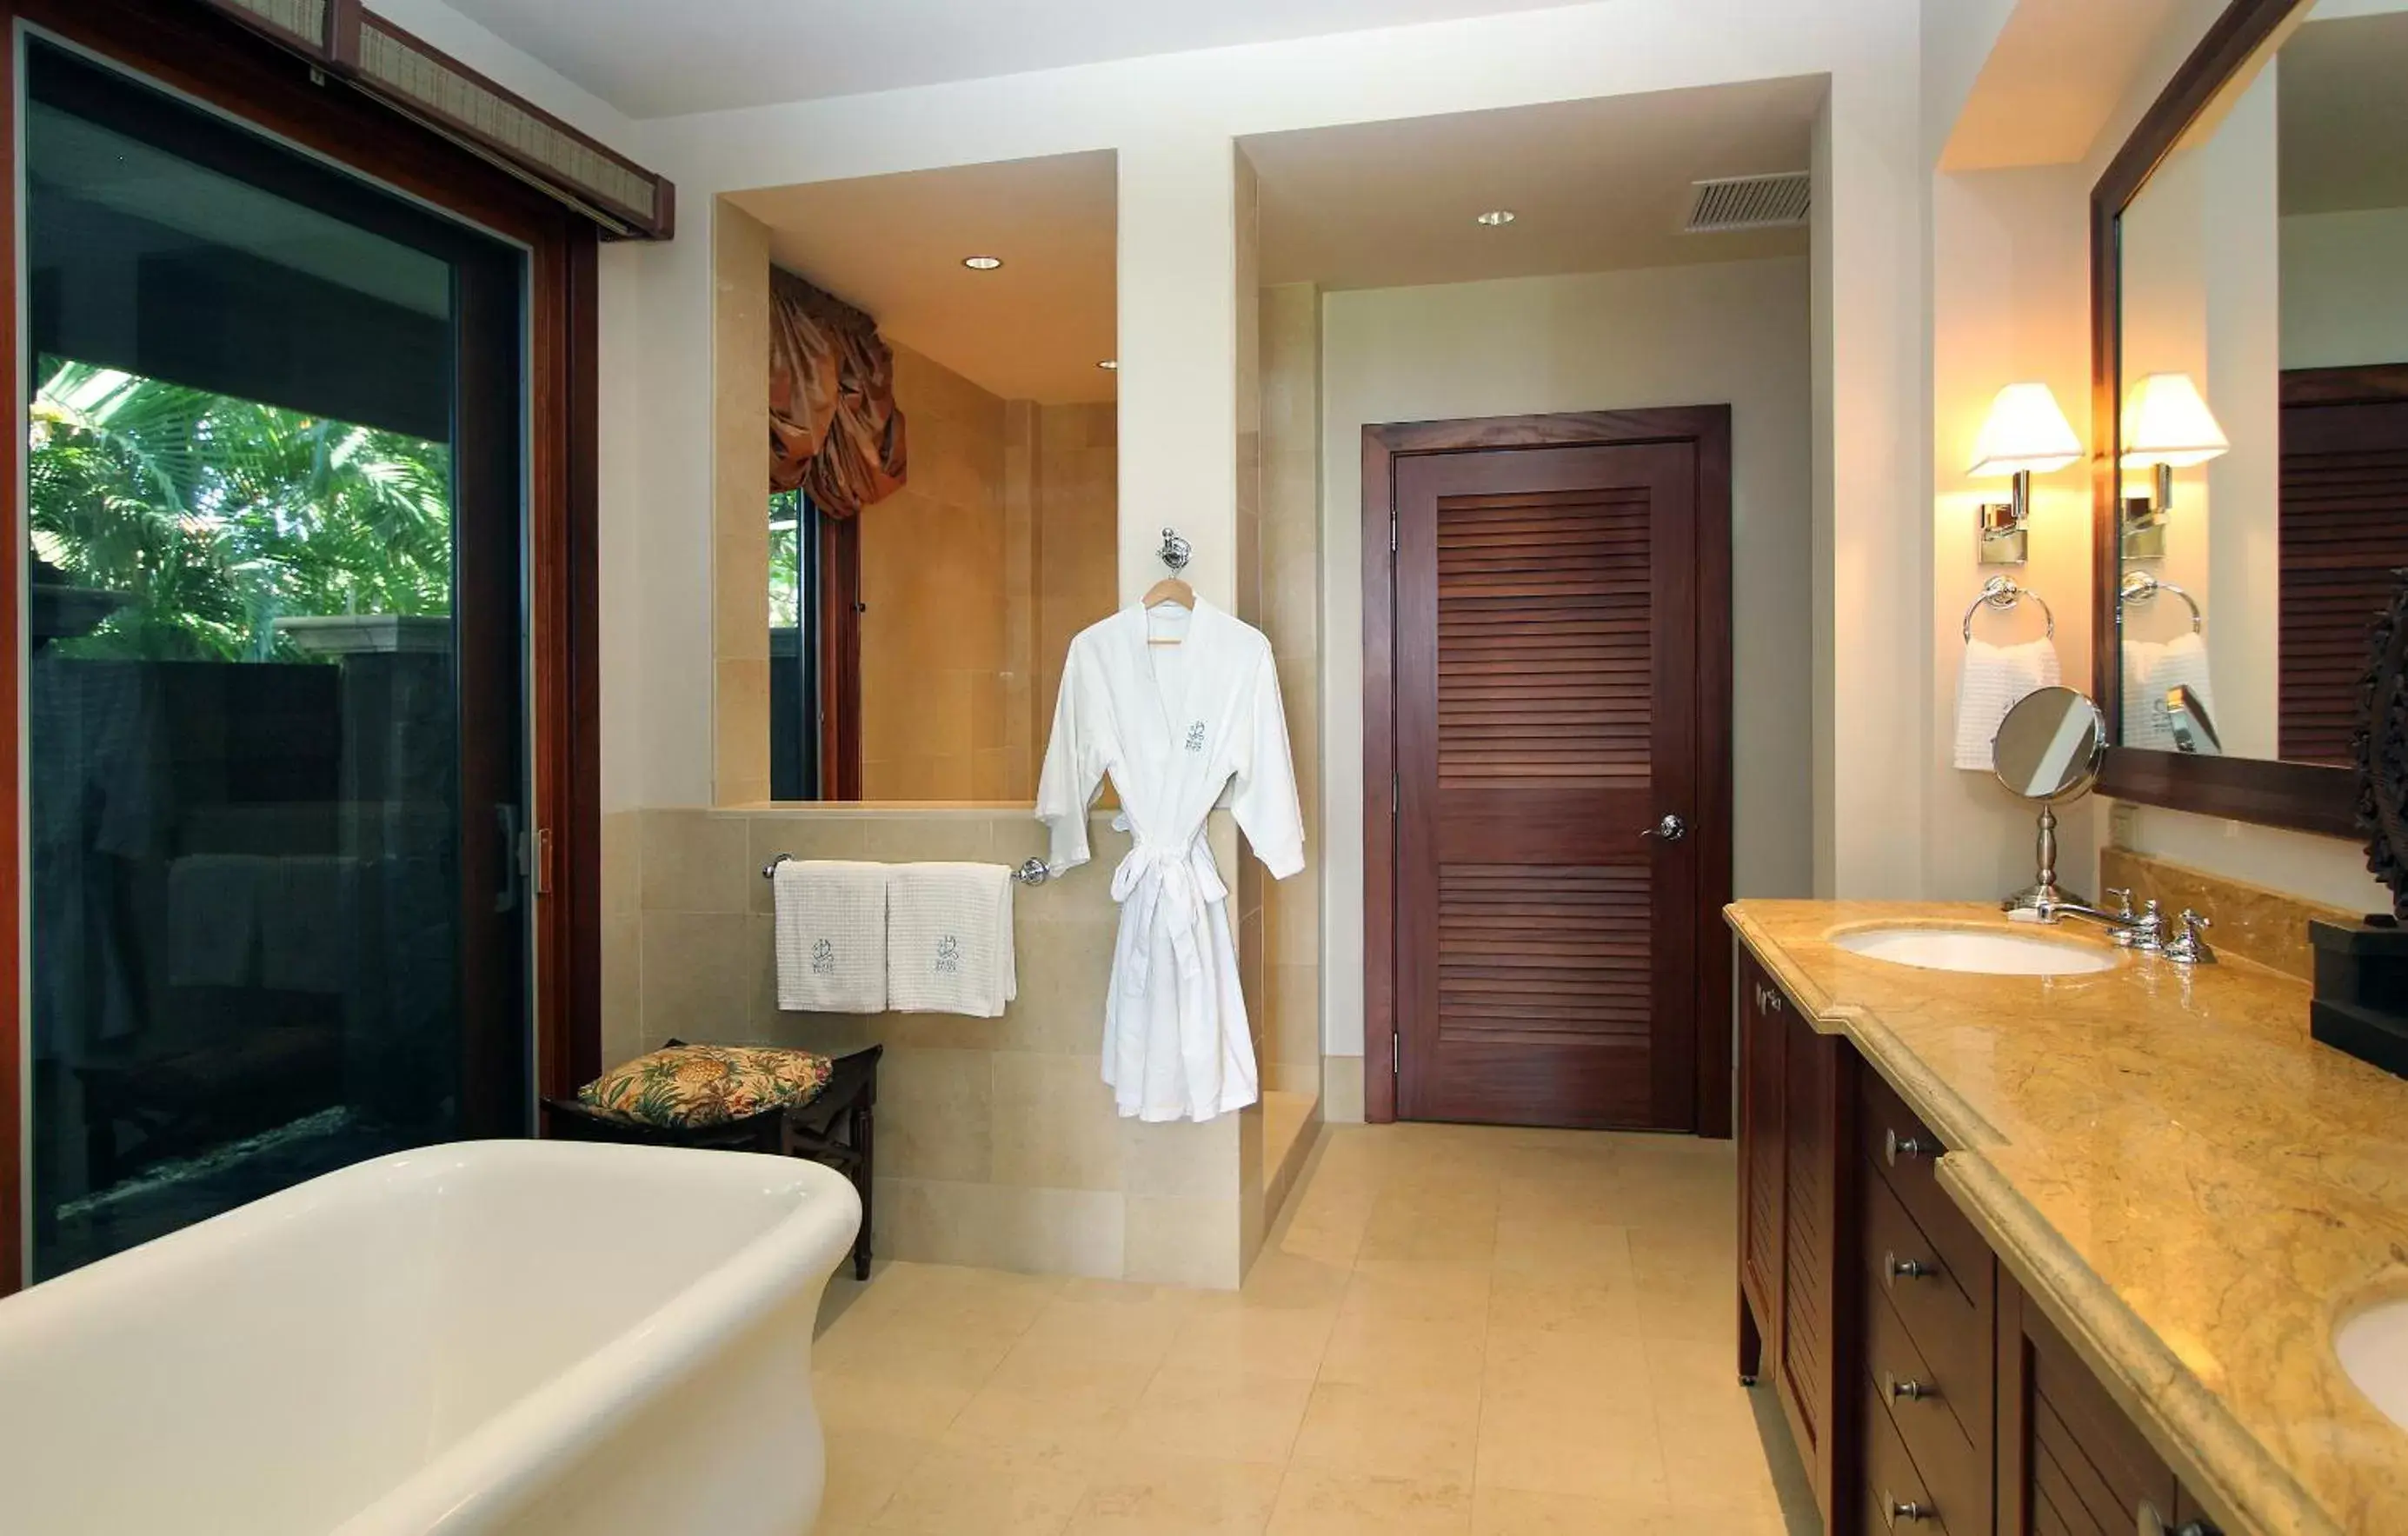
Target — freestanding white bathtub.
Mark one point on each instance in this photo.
(485, 1337)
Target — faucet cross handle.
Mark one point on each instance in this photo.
(2189, 947)
(2146, 931)
(2123, 902)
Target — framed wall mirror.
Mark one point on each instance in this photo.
(2249, 282)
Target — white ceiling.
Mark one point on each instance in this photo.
(660, 58)
(1033, 329)
(1594, 186)
(2342, 95)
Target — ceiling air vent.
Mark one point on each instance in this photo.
(1729, 203)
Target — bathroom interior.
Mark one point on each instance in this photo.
(1465, 765)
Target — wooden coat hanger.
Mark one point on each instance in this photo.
(1172, 589)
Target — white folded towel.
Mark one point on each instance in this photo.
(831, 928)
(1993, 680)
(213, 918)
(949, 945)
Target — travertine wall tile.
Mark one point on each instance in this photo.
(998, 1137)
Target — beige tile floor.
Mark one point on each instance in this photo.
(1454, 1330)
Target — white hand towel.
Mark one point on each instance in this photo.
(1993, 680)
(831, 930)
(948, 942)
(213, 918)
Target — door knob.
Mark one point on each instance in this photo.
(1672, 829)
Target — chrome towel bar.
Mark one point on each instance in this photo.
(1033, 872)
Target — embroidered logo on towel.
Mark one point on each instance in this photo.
(822, 957)
(949, 956)
(1195, 736)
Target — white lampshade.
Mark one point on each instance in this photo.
(2166, 422)
(2024, 432)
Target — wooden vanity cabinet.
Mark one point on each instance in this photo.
(2071, 1463)
(1926, 1395)
(1795, 1124)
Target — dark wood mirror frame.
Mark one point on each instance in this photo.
(2307, 796)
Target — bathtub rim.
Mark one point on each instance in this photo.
(487, 1472)
(491, 1469)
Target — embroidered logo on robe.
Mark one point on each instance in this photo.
(949, 956)
(822, 957)
(1195, 736)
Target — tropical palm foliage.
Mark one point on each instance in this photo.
(217, 516)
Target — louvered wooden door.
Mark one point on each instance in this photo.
(1546, 615)
(2344, 532)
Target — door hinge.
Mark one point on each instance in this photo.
(1395, 795)
(1396, 1053)
(1392, 531)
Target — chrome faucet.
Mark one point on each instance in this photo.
(2144, 930)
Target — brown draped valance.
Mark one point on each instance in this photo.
(834, 430)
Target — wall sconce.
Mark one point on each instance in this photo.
(2167, 426)
(2025, 435)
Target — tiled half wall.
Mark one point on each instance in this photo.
(998, 1141)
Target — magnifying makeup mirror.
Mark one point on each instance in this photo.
(2048, 750)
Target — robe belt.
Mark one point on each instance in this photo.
(1172, 881)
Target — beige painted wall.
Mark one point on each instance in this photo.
(739, 536)
(2010, 299)
(2345, 288)
(1289, 561)
(1731, 332)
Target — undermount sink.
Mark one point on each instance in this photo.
(2374, 1349)
(1977, 950)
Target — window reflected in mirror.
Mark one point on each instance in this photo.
(2262, 437)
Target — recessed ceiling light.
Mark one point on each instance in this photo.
(1496, 218)
(981, 264)
(1110, 364)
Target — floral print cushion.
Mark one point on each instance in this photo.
(690, 1087)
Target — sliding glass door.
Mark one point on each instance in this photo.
(277, 666)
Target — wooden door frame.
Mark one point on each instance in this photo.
(225, 65)
(1708, 428)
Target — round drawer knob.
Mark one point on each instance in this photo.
(1898, 1511)
(1906, 1269)
(1896, 1146)
(1909, 1390)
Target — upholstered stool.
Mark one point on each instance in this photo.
(739, 1098)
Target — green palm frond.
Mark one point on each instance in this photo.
(221, 515)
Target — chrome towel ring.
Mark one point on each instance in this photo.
(2002, 593)
(2140, 586)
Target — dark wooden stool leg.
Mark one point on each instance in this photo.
(862, 1133)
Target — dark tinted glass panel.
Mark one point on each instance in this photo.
(274, 699)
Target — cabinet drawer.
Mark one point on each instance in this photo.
(1941, 1418)
(1949, 1311)
(1903, 1153)
(1895, 1500)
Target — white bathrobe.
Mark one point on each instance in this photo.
(1173, 725)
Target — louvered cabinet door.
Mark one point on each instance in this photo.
(1545, 721)
(2344, 532)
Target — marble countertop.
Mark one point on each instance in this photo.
(2189, 1186)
